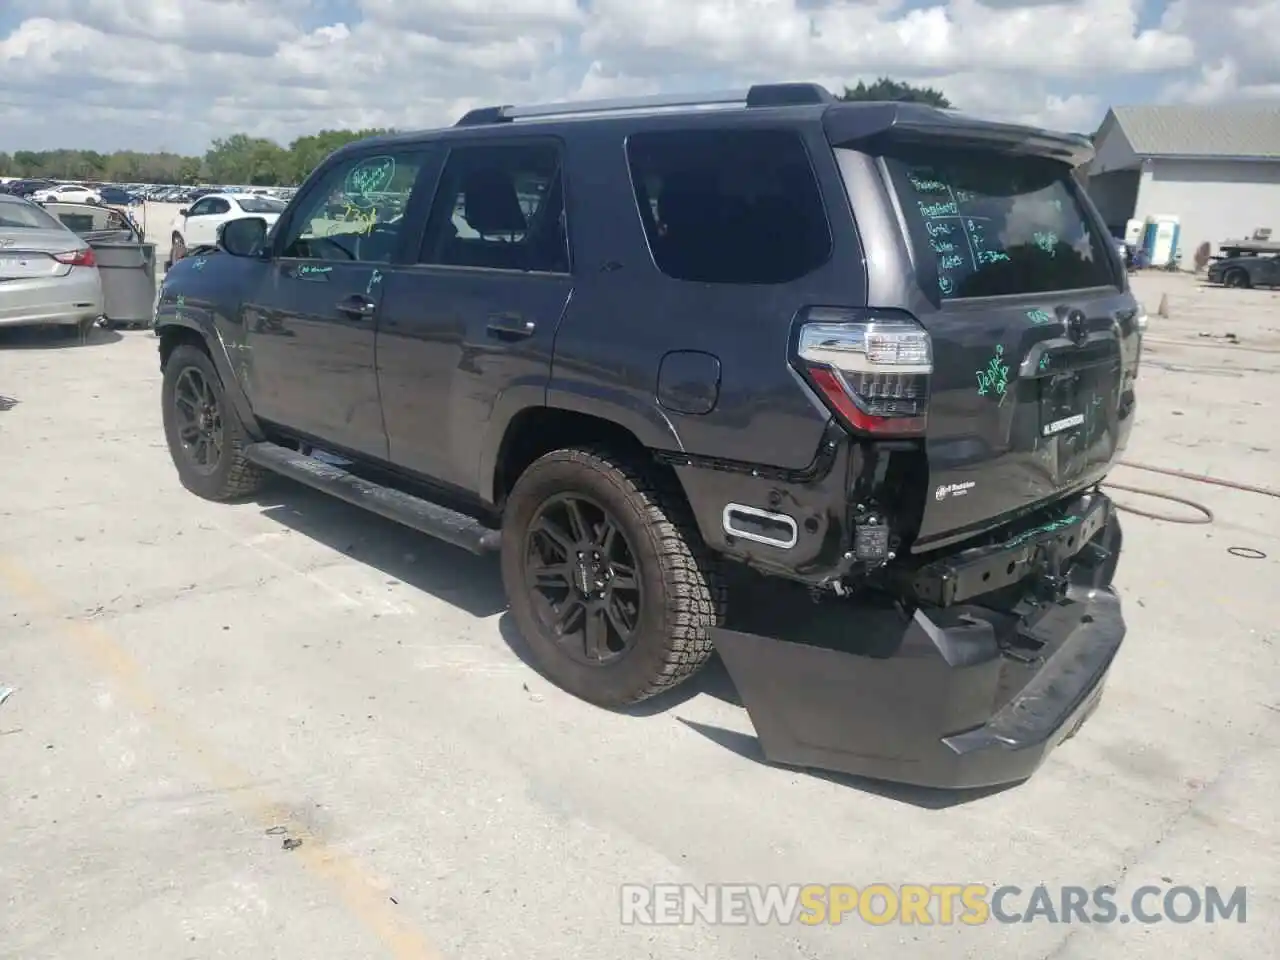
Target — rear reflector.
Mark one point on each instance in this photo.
(871, 367)
(77, 258)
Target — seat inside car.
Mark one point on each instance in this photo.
(492, 208)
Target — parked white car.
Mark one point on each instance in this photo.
(197, 225)
(67, 193)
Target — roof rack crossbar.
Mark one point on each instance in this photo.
(760, 95)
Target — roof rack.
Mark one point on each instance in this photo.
(760, 95)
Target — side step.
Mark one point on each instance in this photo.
(414, 512)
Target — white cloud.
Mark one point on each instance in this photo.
(1235, 47)
(175, 73)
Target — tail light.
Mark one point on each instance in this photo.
(77, 258)
(871, 367)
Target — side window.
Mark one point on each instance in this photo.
(729, 206)
(356, 212)
(217, 206)
(500, 207)
(200, 208)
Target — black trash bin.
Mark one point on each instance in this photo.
(128, 272)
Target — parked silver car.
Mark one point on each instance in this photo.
(48, 275)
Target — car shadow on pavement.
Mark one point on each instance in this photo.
(459, 578)
(713, 679)
(927, 798)
(54, 338)
(474, 584)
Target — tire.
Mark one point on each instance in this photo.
(177, 248)
(227, 475)
(1236, 278)
(678, 594)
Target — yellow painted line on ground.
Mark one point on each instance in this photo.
(364, 897)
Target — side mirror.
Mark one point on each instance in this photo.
(243, 237)
(182, 212)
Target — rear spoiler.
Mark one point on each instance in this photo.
(849, 123)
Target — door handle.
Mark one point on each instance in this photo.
(357, 305)
(510, 327)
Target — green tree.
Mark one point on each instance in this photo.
(887, 89)
(189, 170)
(306, 153)
(235, 159)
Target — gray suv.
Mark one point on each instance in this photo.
(669, 357)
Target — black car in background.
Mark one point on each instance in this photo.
(1246, 263)
(117, 195)
(25, 188)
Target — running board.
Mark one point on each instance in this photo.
(414, 512)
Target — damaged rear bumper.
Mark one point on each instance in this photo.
(956, 696)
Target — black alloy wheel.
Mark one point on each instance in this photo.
(610, 585)
(581, 572)
(198, 416)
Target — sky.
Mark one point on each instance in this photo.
(174, 74)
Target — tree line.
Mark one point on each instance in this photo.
(257, 161)
(237, 159)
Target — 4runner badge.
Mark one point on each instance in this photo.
(953, 490)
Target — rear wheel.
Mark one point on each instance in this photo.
(608, 581)
(206, 438)
(1236, 278)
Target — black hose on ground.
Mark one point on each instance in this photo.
(1206, 513)
(1203, 478)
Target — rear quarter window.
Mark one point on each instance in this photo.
(729, 206)
(993, 224)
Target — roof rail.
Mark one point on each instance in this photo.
(760, 95)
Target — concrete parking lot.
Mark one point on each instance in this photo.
(288, 729)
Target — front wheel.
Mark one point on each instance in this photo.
(609, 582)
(206, 439)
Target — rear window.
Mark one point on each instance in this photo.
(997, 224)
(24, 216)
(729, 206)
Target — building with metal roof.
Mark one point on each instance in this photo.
(1214, 167)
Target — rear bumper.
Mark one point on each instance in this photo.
(56, 300)
(955, 697)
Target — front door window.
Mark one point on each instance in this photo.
(356, 213)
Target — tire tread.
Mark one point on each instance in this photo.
(243, 478)
(697, 596)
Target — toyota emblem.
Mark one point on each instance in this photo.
(1076, 327)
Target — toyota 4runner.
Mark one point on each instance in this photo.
(667, 355)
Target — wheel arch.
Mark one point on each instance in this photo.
(575, 416)
(176, 332)
(536, 431)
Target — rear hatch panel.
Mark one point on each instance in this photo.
(983, 234)
(1023, 410)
